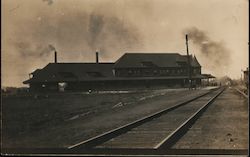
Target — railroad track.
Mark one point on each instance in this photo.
(154, 132)
(241, 92)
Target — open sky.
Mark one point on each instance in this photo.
(32, 29)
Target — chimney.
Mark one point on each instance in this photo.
(55, 57)
(97, 59)
(189, 65)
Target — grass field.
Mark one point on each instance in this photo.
(45, 120)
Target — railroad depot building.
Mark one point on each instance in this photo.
(132, 70)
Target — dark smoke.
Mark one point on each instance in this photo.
(78, 32)
(216, 53)
(96, 24)
(109, 35)
(29, 50)
(49, 2)
(51, 47)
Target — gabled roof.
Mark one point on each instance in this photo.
(67, 72)
(194, 62)
(35, 72)
(158, 59)
(56, 72)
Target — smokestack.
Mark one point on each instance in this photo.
(55, 57)
(187, 44)
(97, 59)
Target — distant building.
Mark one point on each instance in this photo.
(208, 80)
(132, 70)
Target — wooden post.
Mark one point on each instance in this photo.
(189, 66)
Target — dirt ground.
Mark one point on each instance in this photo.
(62, 120)
(223, 126)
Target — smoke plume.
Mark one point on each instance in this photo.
(96, 24)
(50, 2)
(76, 35)
(81, 33)
(216, 54)
(51, 47)
(28, 50)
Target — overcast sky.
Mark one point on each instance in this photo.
(31, 29)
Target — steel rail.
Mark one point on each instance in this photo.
(89, 143)
(242, 93)
(171, 139)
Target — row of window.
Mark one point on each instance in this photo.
(132, 72)
(165, 71)
(137, 72)
(72, 75)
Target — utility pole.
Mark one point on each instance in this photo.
(242, 72)
(189, 65)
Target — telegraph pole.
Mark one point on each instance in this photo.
(189, 65)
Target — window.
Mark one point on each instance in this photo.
(136, 72)
(196, 71)
(113, 71)
(147, 71)
(182, 63)
(130, 72)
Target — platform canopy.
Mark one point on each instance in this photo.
(207, 76)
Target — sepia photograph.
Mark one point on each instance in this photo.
(125, 77)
